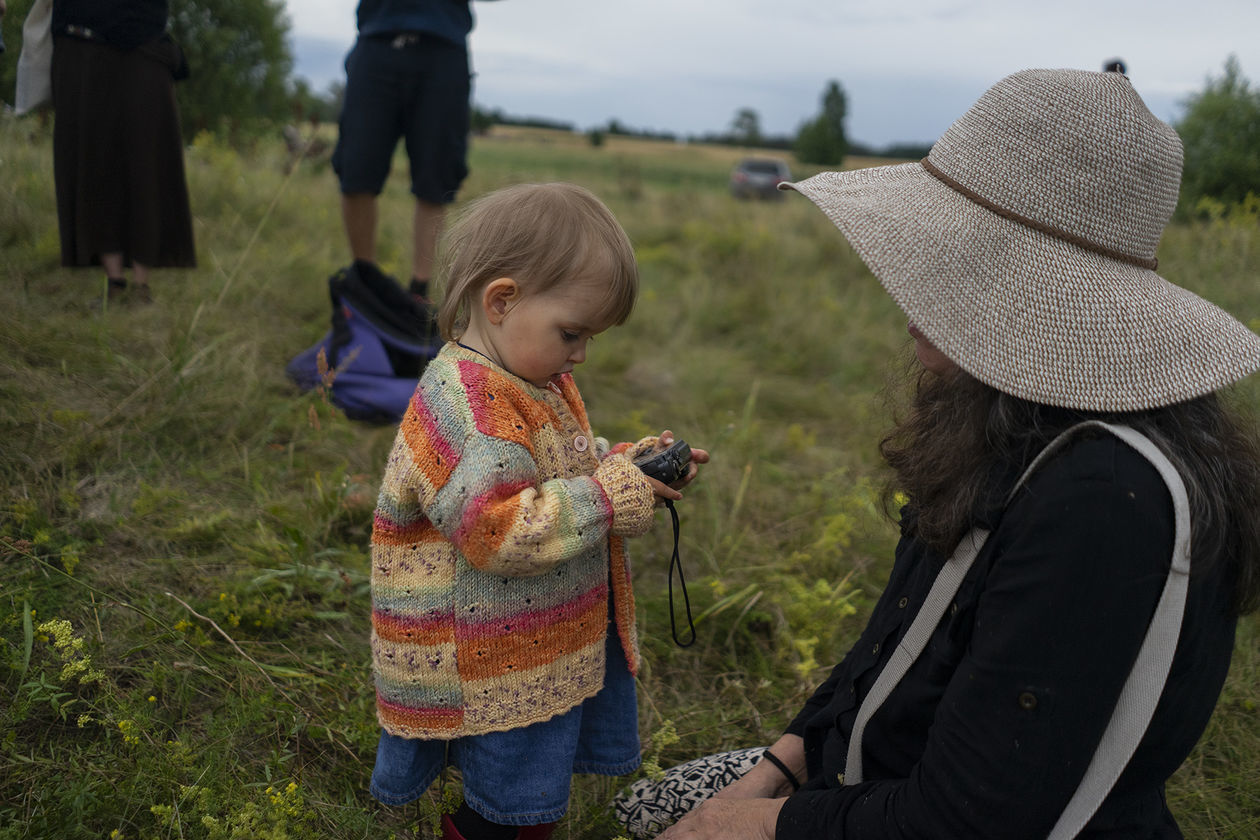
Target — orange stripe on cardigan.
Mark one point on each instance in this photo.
(484, 658)
(568, 390)
(405, 718)
(413, 630)
(430, 451)
(500, 409)
(623, 600)
(487, 521)
(386, 531)
(531, 621)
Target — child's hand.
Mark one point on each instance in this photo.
(670, 491)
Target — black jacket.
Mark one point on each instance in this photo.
(990, 731)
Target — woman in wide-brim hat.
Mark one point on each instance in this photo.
(1054, 635)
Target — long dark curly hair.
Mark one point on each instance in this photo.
(958, 433)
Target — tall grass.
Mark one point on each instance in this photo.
(184, 609)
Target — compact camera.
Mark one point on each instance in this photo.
(669, 465)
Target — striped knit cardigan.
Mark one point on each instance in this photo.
(498, 531)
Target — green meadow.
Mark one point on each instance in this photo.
(184, 600)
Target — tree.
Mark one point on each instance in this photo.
(334, 98)
(835, 107)
(821, 140)
(239, 54)
(481, 120)
(746, 128)
(1221, 135)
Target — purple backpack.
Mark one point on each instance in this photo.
(380, 341)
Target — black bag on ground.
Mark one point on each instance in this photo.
(380, 341)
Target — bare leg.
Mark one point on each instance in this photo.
(140, 281)
(426, 229)
(114, 270)
(358, 214)
(113, 265)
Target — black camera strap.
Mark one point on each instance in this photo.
(676, 563)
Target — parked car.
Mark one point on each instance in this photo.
(759, 178)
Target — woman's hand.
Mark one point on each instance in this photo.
(728, 819)
(748, 808)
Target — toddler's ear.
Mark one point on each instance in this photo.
(498, 298)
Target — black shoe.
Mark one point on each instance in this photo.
(115, 291)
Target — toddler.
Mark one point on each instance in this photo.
(503, 629)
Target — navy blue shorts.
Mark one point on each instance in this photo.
(522, 776)
(416, 88)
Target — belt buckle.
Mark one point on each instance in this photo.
(402, 39)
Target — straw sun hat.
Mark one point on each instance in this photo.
(1023, 247)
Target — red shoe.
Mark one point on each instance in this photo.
(526, 832)
(449, 831)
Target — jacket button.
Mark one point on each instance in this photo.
(1027, 701)
(901, 605)
(580, 443)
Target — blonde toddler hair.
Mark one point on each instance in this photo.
(540, 235)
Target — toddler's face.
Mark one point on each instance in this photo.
(545, 335)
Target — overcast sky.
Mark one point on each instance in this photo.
(909, 68)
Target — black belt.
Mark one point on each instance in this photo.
(406, 39)
(83, 32)
(398, 40)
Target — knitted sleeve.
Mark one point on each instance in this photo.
(637, 449)
(478, 482)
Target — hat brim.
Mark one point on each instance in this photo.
(1027, 313)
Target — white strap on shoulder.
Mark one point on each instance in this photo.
(1136, 704)
(908, 649)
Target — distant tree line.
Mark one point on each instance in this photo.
(482, 120)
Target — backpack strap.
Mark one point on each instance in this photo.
(908, 649)
(1136, 705)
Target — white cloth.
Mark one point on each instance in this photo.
(34, 67)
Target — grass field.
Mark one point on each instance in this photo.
(184, 604)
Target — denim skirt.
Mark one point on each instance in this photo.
(522, 776)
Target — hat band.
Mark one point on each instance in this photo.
(1041, 227)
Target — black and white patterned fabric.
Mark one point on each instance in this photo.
(650, 806)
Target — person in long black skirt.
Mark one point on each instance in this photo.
(122, 196)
